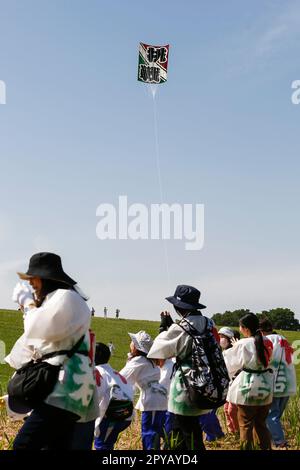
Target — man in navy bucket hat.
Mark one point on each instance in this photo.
(175, 342)
(187, 298)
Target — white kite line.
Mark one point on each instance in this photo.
(153, 89)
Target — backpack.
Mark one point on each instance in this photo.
(118, 409)
(207, 380)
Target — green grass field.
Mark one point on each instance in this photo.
(115, 330)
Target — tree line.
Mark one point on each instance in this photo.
(281, 318)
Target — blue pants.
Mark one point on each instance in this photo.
(211, 426)
(152, 429)
(109, 433)
(273, 420)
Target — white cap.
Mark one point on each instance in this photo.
(226, 332)
(142, 341)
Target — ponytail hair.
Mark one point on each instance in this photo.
(251, 322)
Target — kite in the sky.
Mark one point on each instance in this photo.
(153, 63)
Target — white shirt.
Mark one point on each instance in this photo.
(142, 373)
(111, 383)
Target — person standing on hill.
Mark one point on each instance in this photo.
(285, 384)
(56, 334)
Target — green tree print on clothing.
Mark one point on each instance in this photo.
(282, 383)
(255, 393)
(82, 389)
(75, 388)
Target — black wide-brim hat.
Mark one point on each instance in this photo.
(47, 266)
(186, 297)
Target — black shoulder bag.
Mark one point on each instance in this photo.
(32, 383)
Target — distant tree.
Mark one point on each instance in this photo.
(230, 318)
(217, 318)
(281, 318)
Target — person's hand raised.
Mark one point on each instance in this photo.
(165, 322)
(234, 341)
(22, 295)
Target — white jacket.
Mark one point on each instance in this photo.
(58, 324)
(248, 388)
(63, 318)
(285, 383)
(142, 373)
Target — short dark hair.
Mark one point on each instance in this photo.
(102, 354)
(266, 325)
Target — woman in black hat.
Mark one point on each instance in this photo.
(56, 331)
(175, 342)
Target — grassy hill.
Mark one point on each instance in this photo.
(115, 330)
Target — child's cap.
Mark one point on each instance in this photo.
(142, 341)
(225, 331)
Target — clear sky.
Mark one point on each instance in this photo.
(77, 131)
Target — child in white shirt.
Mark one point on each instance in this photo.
(145, 375)
(115, 401)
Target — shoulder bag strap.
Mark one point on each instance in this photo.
(68, 352)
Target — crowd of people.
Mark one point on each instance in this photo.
(71, 398)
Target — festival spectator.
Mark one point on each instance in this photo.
(56, 324)
(145, 375)
(176, 342)
(285, 384)
(230, 409)
(115, 401)
(252, 388)
(209, 422)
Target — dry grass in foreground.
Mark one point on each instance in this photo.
(131, 438)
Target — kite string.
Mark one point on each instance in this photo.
(157, 153)
(158, 166)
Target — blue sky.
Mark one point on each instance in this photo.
(77, 131)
